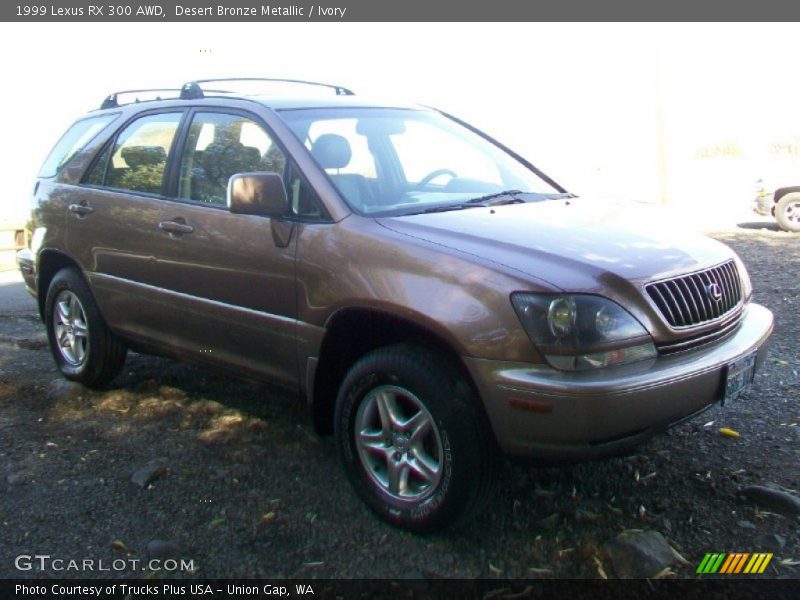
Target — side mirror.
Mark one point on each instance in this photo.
(257, 194)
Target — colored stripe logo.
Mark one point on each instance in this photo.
(735, 562)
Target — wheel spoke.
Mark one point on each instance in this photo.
(73, 307)
(398, 476)
(374, 441)
(79, 329)
(63, 312)
(387, 409)
(80, 349)
(417, 427)
(426, 468)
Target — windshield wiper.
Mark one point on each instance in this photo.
(445, 208)
(510, 194)
(493, 199)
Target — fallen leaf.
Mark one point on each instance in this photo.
(729, 432)
(119, 545)
(268, 517)
(600, 570)
(679, 557)
(495, 570)
(216, 523)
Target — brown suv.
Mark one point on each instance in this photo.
(432, 295)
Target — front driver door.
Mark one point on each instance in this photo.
(229, 287)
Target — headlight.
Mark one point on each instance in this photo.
(580, 331)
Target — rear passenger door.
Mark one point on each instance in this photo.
(112, 228)
(231, 286)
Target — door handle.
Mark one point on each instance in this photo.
(80, 209)
(175, 227)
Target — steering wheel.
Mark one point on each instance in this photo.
(433, 175)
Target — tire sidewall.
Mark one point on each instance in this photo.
(452, 489)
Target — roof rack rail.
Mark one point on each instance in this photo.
(194, 91)
(112, 100)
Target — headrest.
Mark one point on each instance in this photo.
(332, 151)
(140, 156)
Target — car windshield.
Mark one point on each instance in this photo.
(397, 161)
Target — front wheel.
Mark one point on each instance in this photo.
(83, 347)
(787, 212)
(413, 439)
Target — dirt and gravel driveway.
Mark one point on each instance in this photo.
(249, 490)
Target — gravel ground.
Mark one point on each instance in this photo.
(249, 490)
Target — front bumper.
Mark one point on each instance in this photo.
(538, 411)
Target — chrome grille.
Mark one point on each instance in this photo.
(698, 297)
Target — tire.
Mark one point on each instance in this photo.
(787, 212)
(88, 352)
(450, 466)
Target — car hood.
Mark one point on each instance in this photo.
(575, 244)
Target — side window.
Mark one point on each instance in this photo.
(97, 173)
(138, 158)
(303, 200)
(72, 142)
(219, 146)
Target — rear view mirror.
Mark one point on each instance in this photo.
(257, 194)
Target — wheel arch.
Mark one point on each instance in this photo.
(781, 192)
(353, 332)
(50, 262)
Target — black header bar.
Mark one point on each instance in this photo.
(187, 11)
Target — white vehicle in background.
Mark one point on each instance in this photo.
(12, 238)
(782, 202)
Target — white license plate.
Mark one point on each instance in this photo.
(738, 377)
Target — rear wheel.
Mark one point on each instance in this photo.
(787, 212)
(414, 441)
(83, 347)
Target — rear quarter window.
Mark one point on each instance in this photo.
(73, 141)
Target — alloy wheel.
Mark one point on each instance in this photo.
(398, 443)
